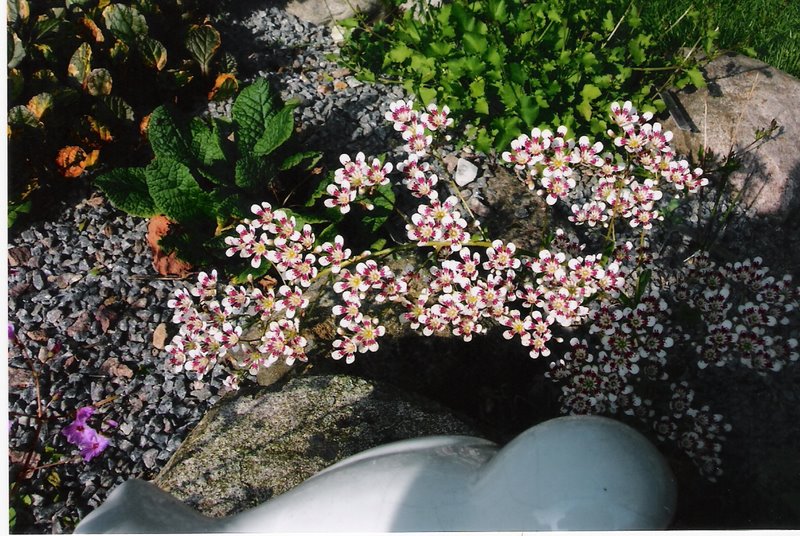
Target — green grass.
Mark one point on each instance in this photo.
(765, 29)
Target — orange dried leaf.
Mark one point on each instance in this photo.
(97, 33)
(91, 159)
(71, 161)
(145, 122)
(225, 86)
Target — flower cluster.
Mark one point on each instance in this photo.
(90, 442)
(356, 178)
(470, 285)
(747, 330)
(603, 185)
(250, 327)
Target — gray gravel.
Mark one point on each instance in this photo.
(84, 286)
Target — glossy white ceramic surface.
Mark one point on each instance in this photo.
(570, 473)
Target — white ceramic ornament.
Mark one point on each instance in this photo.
(570, 473)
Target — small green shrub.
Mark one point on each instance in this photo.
(206, 174)
(82, 75)
(507, 66)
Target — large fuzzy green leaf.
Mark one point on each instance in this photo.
(127, 190)
(278, 129)
(252, 111)
(205, 143)
(176, 193)
(253, 172)
(168, 138)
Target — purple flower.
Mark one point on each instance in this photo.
(77, 432)
(11, 332)
(86, 438)
(84, 413)
(93, 444)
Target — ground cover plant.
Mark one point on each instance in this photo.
(84, 75)
(506, 66)
(633, 321)
(205, 173)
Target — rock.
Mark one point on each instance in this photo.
(466, 172)
(744, 95)
(327, 11)
(262, 442)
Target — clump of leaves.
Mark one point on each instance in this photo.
(83, 74)
(207, 173)
(507, 66)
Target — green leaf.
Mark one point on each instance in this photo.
(608, 22)
(427, 95)
(585, 109)
(278, 129)
(153, 53)
(15, 209)
(22, 116)
(176, 193)
(16, 51)
(253, 172)
(528, 110)
(477, 88)
(125, 22)
(498, 10)
(635, 49)
(384, 203)
(252, 111)
(116, 107)
(310, 157)
(80, 64)
(127, 190)
(590, 92)
(696, 77)
(482, 106)
(168, 138)
(440, 49)
(48, 23)
(400, 53)
(205, 143)
(256, 273)
(475, 43)
(202, 43)
(99, 82)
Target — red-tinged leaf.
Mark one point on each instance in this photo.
(39, 104)
(154, 54)
(71, 161)
(202, 43)
(225, 87)
(94, 29)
